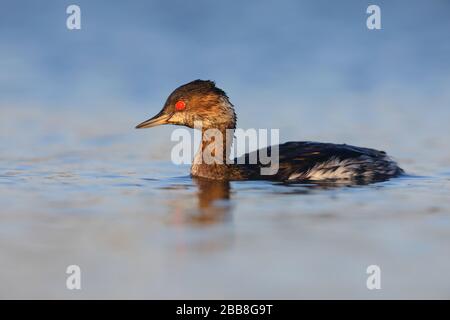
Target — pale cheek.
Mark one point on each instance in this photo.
(178, 117)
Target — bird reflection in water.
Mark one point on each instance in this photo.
(213, 200)
(212, 204)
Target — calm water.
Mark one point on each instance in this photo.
(78, 185)
(139, 227)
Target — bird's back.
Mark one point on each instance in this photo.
(321, 161)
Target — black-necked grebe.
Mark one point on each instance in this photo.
(202, 101)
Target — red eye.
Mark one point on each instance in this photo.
(180, 105)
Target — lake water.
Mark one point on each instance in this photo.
(140, 227)
(79, 186)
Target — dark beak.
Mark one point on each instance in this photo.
(160, 119)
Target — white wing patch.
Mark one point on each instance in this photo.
(336, 169)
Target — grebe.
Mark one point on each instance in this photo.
(202, 101)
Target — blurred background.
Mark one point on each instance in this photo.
(72, 165)
(309, 68)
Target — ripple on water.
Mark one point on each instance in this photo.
(203, 225)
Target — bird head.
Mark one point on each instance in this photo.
(197, 101)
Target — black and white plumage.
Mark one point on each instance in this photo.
(202, 101)
(299, 161)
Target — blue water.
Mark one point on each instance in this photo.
(78, 185)
(146, 230)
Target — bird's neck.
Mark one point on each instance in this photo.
(215, 148)
(213, 156)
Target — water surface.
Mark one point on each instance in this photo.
(145, 229)
(78, 185)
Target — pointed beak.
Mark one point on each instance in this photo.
(160, 119)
